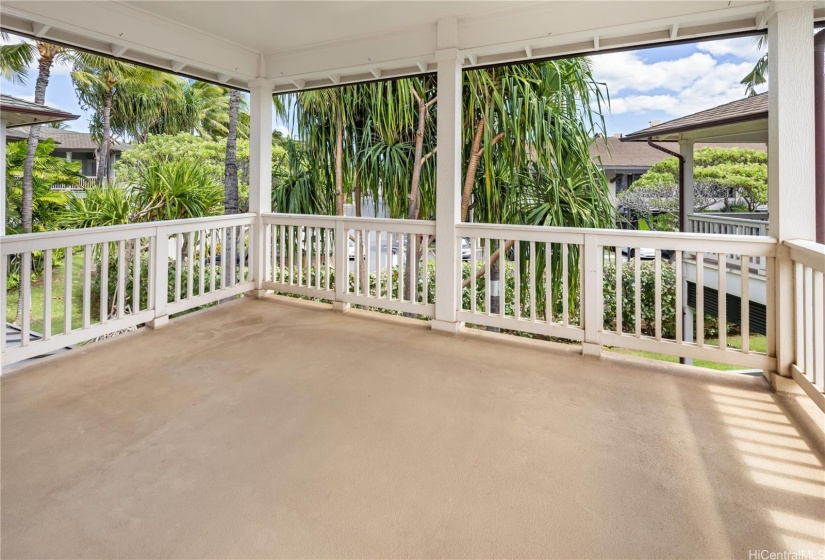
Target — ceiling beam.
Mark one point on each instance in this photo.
(40, 29)
(119, 50)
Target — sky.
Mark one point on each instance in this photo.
(656, 84)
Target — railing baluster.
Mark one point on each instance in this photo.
(47, 294)
(282, 253)
(425, 242)
(378, 254)
(402, 265)
(637, 289)
(548, 282)
(87, 286)
(808, 326)
(744, 305)
(473, 283)
(502, 278)
(178, 264)
(367, 236)
(565, 293)
(136, 278)
(722, 269)
(517, 280)
(358, 257)
(818, 334)
(67, 290)
(190, 264)
(121, 278)
(213, 242)
(201, 261)
(329, 250)
(26, 297)
(618, 280)
(104, 282)
(319, 232)
(657, 289)
(700, 299)
(291, 256)
(487, 278)
(679, 299)
(232, 255)
(533, 285)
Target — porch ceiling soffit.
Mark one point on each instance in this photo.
(187, 40)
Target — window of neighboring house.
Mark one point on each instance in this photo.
(89, 167)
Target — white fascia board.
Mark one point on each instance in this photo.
(92, 25)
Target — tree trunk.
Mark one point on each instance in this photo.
(103, 152)
(44, 68)
(413, 256)
(339, 164)
(472, 166)
(230, 178)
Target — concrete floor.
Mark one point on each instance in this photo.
(281, 429)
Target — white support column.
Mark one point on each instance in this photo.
(791, 154)
(2, 178)
(260, 171)
(686, 151)
(448, 185)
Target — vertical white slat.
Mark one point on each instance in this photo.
(565, 292)
(136, 277)
(700, 299)
(190, 264)
(358, 256)
(150, 280)
(657, 289)
(818, 334)
(425, 241)
(582, 293)
(104, 282)
(3, 297)
(243, 243)
(680, 336)
(319, 246)
(233, 234)
(532, 285)
(178, 264)
(402, 264)
(378, 263)
(329, 250)
(367, 236)
(744, 304)
(502, 278)
(291, 255)
(548, 282)
(808, 327)
(272, 265)
(723, 309)
(619, 270)
(637, 290)
(213, 242)
(26, 297)
(388, 283)
(487, 278)
(47, 295)
(473, 283)
(305, 254)
(517, 280)
(87, 286)
(121, 278)
(201, 261)
(67, 290)
(770, 309)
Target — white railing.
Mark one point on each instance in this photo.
(809, 317)
(131, 275)
(727, 225)
(387, 264)
(82, 184)
(591, 303)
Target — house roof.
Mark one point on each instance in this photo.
(67, 140)
(748, 109)
(616, 155)
(19, 112)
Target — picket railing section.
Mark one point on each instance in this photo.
(387, 264)
(97, 281)
(730, 225)
(809, 313)
(563, 283)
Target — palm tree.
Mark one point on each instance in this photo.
(99, 82)
(14, 63)
(759, 74)
(230, 181)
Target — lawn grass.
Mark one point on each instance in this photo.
(758, 343)
(58, 309)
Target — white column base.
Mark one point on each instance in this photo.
(158, 322)
(447, 326)
(255, 294)
(591, 349)
(340, 306)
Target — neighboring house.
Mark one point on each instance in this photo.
(74, 146)
(624, 162)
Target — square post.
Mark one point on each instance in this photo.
(791, 154)
(448, 189)
(689, 192)
(260, 173)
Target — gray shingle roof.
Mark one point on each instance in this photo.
(748, 109)
(67, 140)
(19, 112)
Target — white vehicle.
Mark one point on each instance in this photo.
(351, 249)
(645, 253)
(466, 249)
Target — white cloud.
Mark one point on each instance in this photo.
(744, 48)
(59, 68)
(627, 70)
(679, 86)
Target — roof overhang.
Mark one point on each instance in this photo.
(301, 45)
(753, 128)
(15, 116)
